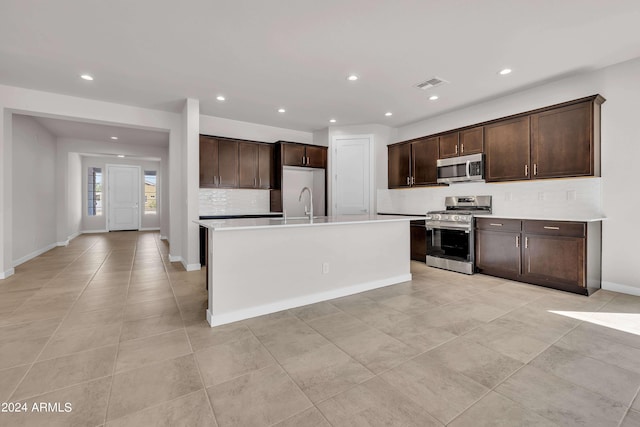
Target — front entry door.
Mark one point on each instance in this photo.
(123, 197)
(351, 175)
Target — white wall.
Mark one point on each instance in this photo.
(98, 223)
(620, 85)
(75, 193)
(34, 195)
(218, 126)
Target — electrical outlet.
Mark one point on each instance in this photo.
(325, 268)
(571, 195)
(508, 196)
(542, 195)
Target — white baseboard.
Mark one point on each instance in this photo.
(623, 289)
(192, 267)
(94, 231)
(34, 254)
(175, 258)
(5, 274)
(149, 229)
(247, 313)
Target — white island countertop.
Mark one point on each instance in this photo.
(571, 218)
(257, 223)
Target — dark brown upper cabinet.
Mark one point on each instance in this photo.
(562, 142)
(399, 165)
(507, 150)
(248, 170)
(218, 163)
(295, 154)
(472, 141)
(413, 163)
(462, 143)
(266, 166)
(449, 145)
(424, 156)
(208, 162)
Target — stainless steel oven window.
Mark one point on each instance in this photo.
(449, 244)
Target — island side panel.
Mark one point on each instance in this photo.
(260, 271)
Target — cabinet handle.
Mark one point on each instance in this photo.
(215, 180)
(303, 159)
(255, 182)
(413, 180)
(535, 169)
(461, 148)
(526, 242)
(259, 182)
(551, 228)
(496, 224)
(526, 170)
(517, 241)
(408, 181)
(456, 149)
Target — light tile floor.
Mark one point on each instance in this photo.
(110, 326)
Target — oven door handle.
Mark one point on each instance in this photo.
(447, 227)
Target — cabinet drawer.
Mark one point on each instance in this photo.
(555, 228)
(498, 224)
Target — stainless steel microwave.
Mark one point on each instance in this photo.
(461, 169)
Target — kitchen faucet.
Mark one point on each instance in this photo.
(310, 211)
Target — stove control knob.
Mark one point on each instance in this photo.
(456, 217)
(436, 217)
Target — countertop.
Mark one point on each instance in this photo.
(257, 223)
(240, 215)
(573, 218)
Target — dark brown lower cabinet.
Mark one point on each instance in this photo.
(557, 254)
(418, 234)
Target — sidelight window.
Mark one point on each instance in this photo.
(94, 196)
(150, 192)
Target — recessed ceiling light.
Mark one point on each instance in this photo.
(433, 97)
(332, 121)
(121, 155)
(281, 110)
(352, 77)
(114, 137)
(220, 98)
(86, 77)
(388, 113)
(505, 71)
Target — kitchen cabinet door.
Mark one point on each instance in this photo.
(208, 162)
(498, 253)
(248, 165)
(316, 156)
(399, 165)
(562, 143)
(472, 141)
(448, 145)
(424, 155)
(293, 155)
(418, 235)
(227, 163)
(554, 260)
(266, 166)
(507, 150)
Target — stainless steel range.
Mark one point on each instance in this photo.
(450, 237)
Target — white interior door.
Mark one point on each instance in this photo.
(123, 197)
(352, 180)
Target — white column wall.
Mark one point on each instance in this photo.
(191, 178)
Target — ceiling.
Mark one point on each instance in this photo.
(103, 133)
(296, 54)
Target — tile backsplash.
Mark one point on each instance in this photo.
(550, 197)
(232, 201)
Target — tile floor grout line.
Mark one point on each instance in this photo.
(115, 361)
(62, 320)
(184, 328)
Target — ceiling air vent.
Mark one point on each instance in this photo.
(432, 82)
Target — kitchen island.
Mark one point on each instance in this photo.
(258, 266)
